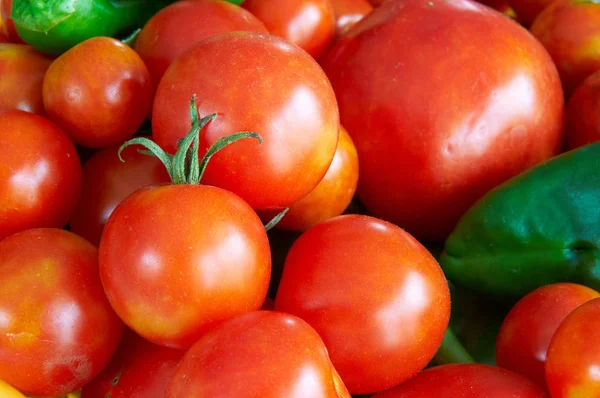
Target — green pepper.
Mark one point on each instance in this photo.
(538, 228)
(54, 26)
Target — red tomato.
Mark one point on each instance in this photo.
(309, 24)
(107, 181)
(348, 13)
(260, 354)
(40, 173)
(139, 369)
(525, 334)
(438, 123)
(177, 27)
(280, 92)
(583, 114)
(570, 31)
(527, 10)
(57, 330)
(22, 69)
(376, 296)
(500, 6)
(99, 91)
(466, 381)
(9, 25)
(177, 259)
(377, 3)
(573, 360)
(7, 391)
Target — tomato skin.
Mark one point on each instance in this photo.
(290, 104)
(466, 381)
(347, 277)
(570, 31)
(527, 10)
(525, 334)
(53, 308)
(582, 124)
(99, 91)
(22, 69)
(7, 21)
(574, 354)
(309, 24)
(490, 107)
(259, 354)
(139, 368)
(204, 257)
(40, 173)
(107, 181)
(348, 13)
(179, 26)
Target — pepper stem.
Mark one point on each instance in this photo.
(452, 351)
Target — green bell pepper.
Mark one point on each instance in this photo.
(538, 228)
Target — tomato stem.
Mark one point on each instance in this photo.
(275, 220)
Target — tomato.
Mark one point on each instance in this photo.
(582, 126)
(501, 6)
(22, 69)
(438, 123)
(466, 381)
(6, 391)
(525, 334)
(40, 173)
(99, 91)
(278, 91)
(107, 181)
(374, 294)
(527, 10)
(348, 13)
(58, 330)
(574, 354)
(177, 27)
(139, 369)
(260, 354)
(309, 24)
(377, 3)
(570, 31)
(9, 25)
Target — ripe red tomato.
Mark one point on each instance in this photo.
(525, 334)
(263, 354)
(57, 330)
(177, 259)
(570, 31)
(527, 10)
(107, 181)
(438, 123)
(276, 90)
(40, 173)
(582, 125)
(376, 296)
(139, 369)
(9, 24)
(466, 381)
(309, 24)
(348, 13)
(574, 354)
(22, 69)
(177, 27)
(99, 91)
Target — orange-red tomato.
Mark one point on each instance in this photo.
(375, 295)
(309, 24)
(525, 334)
(99, 92)
(348, 13)
(527, 10)
(582, 125)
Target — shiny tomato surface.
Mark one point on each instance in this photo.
(348, 13)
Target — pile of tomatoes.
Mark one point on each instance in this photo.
(249, 200)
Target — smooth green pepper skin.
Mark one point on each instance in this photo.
(540, 227)
(54, 26)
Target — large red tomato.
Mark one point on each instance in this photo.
(582, 126)
(254, 83)
(442, 110)
(57, 330)
(376, 296)
(177, 27)
(262, 354)
(40, 173)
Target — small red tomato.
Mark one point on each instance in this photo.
(582, 125)
(466, 381)
(40, 173)
(99, 92)
(9, 24)
(527, 10)
(57, 330)
(348, 13)
(262, 354)
(107, 181)
(177, 27)
(22, 71)
(525, 334)
(309, 24)
(570, 31)
(139, 369)
(376, 296)
(573, 361)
